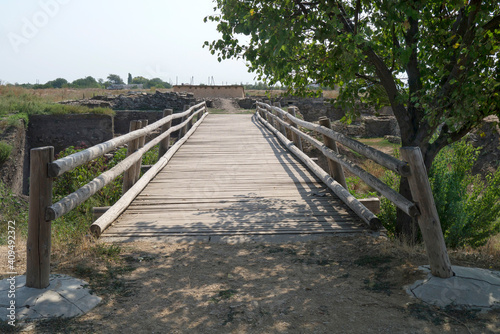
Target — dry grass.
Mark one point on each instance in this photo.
(330, 94)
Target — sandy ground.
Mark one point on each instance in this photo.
(350, 284)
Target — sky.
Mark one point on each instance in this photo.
(41, 40)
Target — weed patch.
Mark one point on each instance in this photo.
(5, 150)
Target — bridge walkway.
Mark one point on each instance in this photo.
(233, 177)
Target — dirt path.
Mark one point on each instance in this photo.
(331, 285)
(230, 106)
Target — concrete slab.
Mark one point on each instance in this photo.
(65, 297)
(470, 288)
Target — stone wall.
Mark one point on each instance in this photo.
(234, 91)
(311, 108)
(367, 126)
(138, 101)
(62, 131)
(123, 118)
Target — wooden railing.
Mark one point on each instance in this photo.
(43, 170)
(285, 125)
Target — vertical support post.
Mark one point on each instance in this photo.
(39, 229)
(278, 125)
(428, 221)
(335, 169)
(289, 133)
(165, 143)
(296, 138)
(142, 141)
(129, 175)
(182, 131)
(190, 123)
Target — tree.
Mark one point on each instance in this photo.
(129, 79)
(57, 83)
(88, 82)
(436, 62)
(115, 79)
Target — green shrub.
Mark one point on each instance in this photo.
(5, 150)
(387, 213)
(468, 207)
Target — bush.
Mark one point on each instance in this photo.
(5, 150)
(387, 214)
(468, 207)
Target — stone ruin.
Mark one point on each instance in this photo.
(371, 123)
(138, 101)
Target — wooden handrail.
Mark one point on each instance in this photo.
(59, 167)
(76, 198)
(366, 215)
(424, 210)
(400, 201)
(379, 157)
(110, 215)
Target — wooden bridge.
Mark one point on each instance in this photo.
(229, 175)
(233, 177)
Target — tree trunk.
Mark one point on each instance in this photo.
(406, 227)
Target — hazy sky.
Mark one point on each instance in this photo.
(46, 39)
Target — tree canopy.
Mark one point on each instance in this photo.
(436, 62)
(115, 79)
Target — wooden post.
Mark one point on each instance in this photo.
(296, 138)
(39, 229)
(129, 175)
(336, 170)
(278, 125)
(428, 221)
(142, 141)
(190, 123)
(165, 143)
(290, 133)
(182, 131)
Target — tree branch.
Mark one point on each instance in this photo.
(414, 76)
(442, 141)
(386, 79)
(492, 24)
(356, 16)
(368, 78)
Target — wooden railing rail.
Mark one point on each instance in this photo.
(401, 202)
(59, 167)
(76, 198)
(285, 127)
(379, 157)
(110, 215)
(44, 169)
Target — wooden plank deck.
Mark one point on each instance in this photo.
(233, 177)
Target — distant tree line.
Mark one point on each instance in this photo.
(90, 82)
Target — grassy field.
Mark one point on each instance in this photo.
(19, 103)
